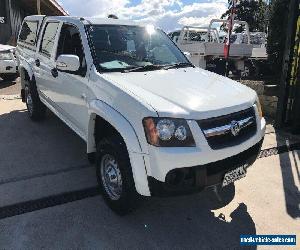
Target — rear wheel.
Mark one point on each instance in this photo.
(36, 109)
(115, 175)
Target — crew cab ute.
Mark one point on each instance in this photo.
(154, 124)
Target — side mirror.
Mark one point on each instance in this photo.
(68, 63)
(188, 55)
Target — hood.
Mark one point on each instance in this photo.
(191, 93)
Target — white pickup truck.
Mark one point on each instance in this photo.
(156, 124)
(206, 48)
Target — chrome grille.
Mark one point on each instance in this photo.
(229, 130)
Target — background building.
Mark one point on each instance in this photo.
(12, 13)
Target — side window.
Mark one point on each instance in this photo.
(70, 43)
(28, 33)
(49, 38)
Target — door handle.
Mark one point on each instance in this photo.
(37, 62)
(54, 72)
(83, 96)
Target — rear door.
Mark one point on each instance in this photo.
(27, 41)
(45, 68)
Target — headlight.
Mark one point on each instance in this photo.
(168, 132)
(259, 109)
(5, 56)
(181, 133)
(165, 129)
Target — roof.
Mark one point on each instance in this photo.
(91, 20)
(96, 20)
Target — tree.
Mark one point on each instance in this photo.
(277, 33)
(254, 12)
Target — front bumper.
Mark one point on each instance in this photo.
(194, 179)
(161, 160)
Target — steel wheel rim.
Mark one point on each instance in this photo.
(111, 176)
(29, 101)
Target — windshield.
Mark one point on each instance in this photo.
(119, 47)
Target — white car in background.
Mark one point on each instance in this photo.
(8, 65)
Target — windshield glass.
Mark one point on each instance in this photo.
(119, 47)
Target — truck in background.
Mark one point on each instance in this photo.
(206, 47)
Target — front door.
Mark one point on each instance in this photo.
(72, 90)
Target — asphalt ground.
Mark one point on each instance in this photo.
(49, 197)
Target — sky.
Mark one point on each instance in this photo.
(166, 14)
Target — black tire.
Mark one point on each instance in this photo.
(36, 109)
(127, 198)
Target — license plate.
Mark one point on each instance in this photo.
(234, 175)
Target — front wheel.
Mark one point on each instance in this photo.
(114, 175)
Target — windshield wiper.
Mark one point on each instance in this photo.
(156, 67)
(142, 68)
(179, 65)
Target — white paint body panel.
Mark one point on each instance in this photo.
(124, 99)
(190, 93)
